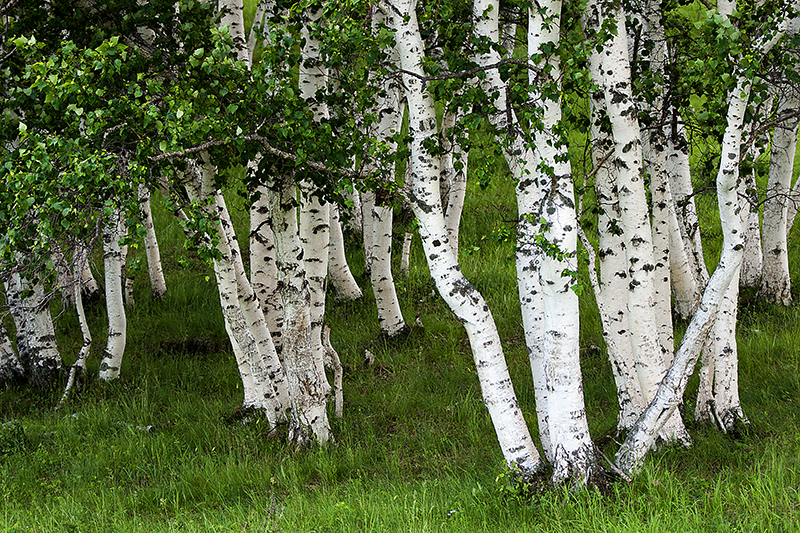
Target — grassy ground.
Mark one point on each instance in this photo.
(163, 449)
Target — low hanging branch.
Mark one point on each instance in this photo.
(471, 72)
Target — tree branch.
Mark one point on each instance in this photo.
(473, 71)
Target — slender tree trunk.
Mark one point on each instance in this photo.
(390, 316)
(775, 280)
(687, 289)
(634, 221)
(368, 231)
(462, 298)
(157, 282)
(111, 362)
(78, 369)
(548, 195)
(639, 441)
(454, 162)
(263, 378)
(339, 274)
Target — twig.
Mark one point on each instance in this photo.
(473, 71)
(613, 467)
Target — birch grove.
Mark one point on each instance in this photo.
(308, 104)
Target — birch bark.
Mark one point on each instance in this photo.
(157, 282)
(341, 278)
(775, 280)
(549, 195)
(462, 298)
(611, 292)
(36, 338)
(11, 370)
(263, 268)
(111, 362)
(634, 215)
(641, 439)
(307, 383)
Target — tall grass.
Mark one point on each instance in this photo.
(164, 450)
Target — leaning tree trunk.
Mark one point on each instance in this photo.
(462, 298)
(157, 282)
(339, 274)
(670, 393)
(390, 316)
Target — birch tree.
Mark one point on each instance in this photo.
(463, 299)
(548, 195)
(639, 441)
(775, 280)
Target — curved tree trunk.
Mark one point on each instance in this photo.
(157, 282)
(339, 274)
(462, 298)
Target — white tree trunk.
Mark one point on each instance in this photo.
(775, 280)
(36, 338)
(308, 385)
(157, 282)
(750, 273)
(387, 106)
(687, 286)
(233, 18)
(263, 270)
(111, 362)
(635, 223)
(367, 231)
(454, 162)
(88, 284)
(11, 370)
(314, 223)
(794, 204)
(263, 378)
(639, 441)
(728, 411)
(462, 298)
(339, 274)
(655, 151)
(78, 368)
(612, 288)
(390, 316)
(548, 195)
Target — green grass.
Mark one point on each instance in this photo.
(163, 449)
